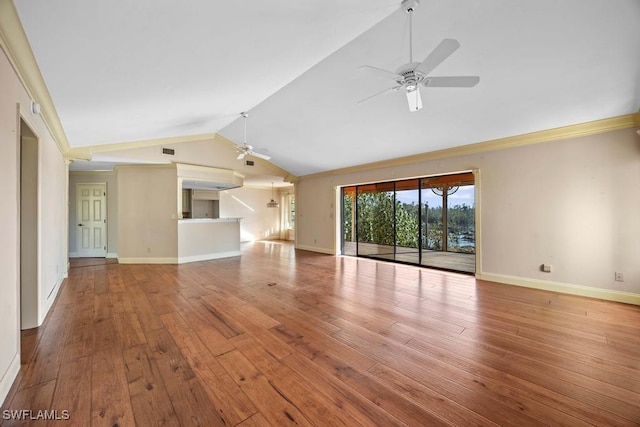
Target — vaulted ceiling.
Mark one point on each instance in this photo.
(122, 71)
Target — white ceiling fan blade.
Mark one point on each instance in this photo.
(439, 54)
(414, 99)
(259, 155)
(451, 81)
(241, 156)
(380, 71)
(379, 93)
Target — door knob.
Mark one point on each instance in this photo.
(80, 225)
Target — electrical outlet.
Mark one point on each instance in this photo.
(148, 250)
(619, 277)
(546, 268)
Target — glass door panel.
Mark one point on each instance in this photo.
(407, 219)
(461, 220)
(449, 219)
(375, 220)
(349, 221)
(431, 220)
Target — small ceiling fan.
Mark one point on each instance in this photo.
(410, 76)
(248, 150)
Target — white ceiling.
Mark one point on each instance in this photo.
(123, 71)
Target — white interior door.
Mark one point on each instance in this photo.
(91, 218)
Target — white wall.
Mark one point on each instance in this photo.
(112, 207)
(573, 203)
(147, 214)
(250, 204)
(52, 219)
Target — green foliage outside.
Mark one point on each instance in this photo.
(376, 223)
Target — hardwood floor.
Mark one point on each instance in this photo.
(284, 337)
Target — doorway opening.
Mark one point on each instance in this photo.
(29, 147)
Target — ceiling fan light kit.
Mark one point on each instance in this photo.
(414, 99)
(410, 76)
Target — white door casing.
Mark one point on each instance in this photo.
(91, 219)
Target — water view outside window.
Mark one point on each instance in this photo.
(461, 221)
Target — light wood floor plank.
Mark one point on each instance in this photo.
(281, 336)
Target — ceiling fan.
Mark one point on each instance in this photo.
(248, 150)
(410, 76)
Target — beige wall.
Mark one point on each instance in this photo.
(250, 204)
(216, 153)
(147, 214)
(572, 203)
(206, 239)
(52, 263)
(110, 178)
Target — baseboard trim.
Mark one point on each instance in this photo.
(147, 260)
(51, 298)
(316, 249)
(109, 255)
(207, 257)
(564, 288)
(9, 377)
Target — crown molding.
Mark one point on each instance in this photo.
(572, 131)
(15, 44)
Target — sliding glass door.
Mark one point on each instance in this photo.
(427, 221)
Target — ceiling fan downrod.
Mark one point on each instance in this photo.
(409, 6)
(245, 116)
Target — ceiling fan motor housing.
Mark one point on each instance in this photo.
(409, 77)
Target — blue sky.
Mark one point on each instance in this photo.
(463, 195)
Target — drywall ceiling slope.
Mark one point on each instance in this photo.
(543, 64)
(138, 71)
(126, 71)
